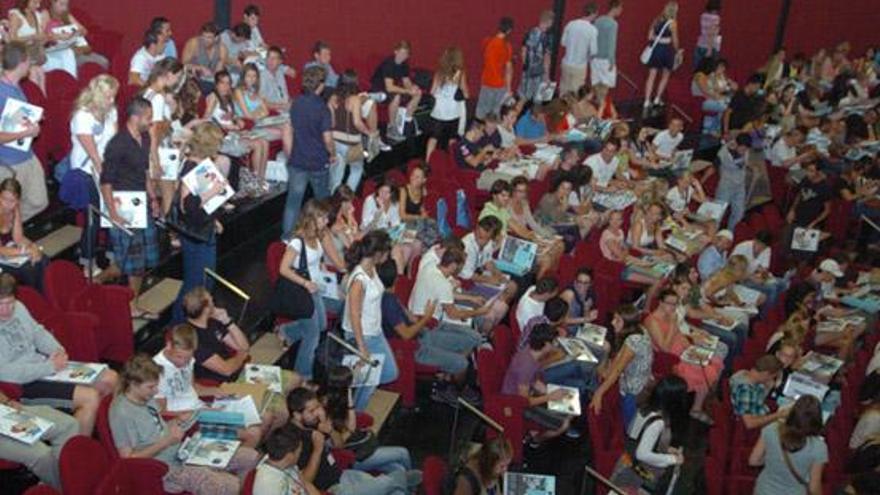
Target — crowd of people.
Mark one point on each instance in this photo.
(713, 276)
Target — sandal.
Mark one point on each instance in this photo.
(141, 314)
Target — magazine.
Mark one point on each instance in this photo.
(131, 206)
(799, 384)
(22, 425)
(570, 405)
(79, 373)
(711, 210)
(697, 355)
(170, 160)
(820, 366)
(577, 349)
(14, 261)
(244, 406)
(199, 451)
(15, 115)
(805, 239)
(618, 201)
(681, 160)
(747, 295)
(545, 91)
(202, 178)
(516, 256)
(328, 285)
(265, 374)
(76, 41)
(529, 484)
(365, 374)
(593, 334)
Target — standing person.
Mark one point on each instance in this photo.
(732, 182)
(709, 41)
(579, 39)
(24, 165)
(349, 129)
(279, 473)
(536, 49)
(450, 90)
(663, 35)
(58, 14)
(392, 78)
(164, 77)
(497, 75)
(199, 240)
(310, 160)
(140, 432)
(603, 67)
(793, 453)
(93, 124)
(363, 308)
(127, 168)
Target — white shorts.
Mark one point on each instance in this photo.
(601, 72)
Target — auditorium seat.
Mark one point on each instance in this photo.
(506, 410)
(83, 464)
(434, 472)
(134, 477)
(41, 489)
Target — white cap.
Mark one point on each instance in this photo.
(726, 234)
(831, 266)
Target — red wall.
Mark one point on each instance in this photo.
(816, 24)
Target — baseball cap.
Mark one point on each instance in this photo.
(726, 234)
(832, 267)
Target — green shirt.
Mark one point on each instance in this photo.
(490, 209)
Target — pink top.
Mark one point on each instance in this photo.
(609, 239)
(710, 27)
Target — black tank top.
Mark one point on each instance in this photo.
(410, 206)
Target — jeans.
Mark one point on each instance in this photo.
(713, 110)
(577, 374)
(772, 289)
(628, 408)
(337, 171)
(196, 257)
(386, 460)
(354, 482)
(89, 237)
(308, 332)
(447, 347)
(297, 182)
(735, 196)
(376, 344)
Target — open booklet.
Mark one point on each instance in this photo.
(806, 239)
(820, 366)
(22, 426)
(131, 206)
(16, 114)
(209, 452)
(570, 405)
(264, 374)
(202, 178)
(79, 373)
(701, 353)
(529, 484)
(242, 405)
(577, 350)
(593, 334)
(709, 210)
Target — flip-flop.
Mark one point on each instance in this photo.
(140, 314)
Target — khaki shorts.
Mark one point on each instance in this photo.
(572, 78)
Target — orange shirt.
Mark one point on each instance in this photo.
(497, 53)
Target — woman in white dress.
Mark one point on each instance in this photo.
(24, 26)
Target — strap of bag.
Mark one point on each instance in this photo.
(787, 458)
(648, 422)
(660, 35)
(303, 269)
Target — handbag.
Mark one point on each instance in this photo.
(74, 188)
(653, 480)
(354, 154)
(290, 299)
(363, 443)
(645, 57)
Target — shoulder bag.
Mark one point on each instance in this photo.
(290, 299)
(645, 57)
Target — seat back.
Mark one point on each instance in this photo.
(134, 477)
(247, 487)
(433, 474)
(83, 464)
(274, 254)
(36, 304)
(41, 489)
(102, 428)
(491, 365)
(62, 281)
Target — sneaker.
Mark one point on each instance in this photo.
(96, 270)
(658, 102)
(383, 146)
(647, 104)
(378, 96)
(394, 137)
(573, 433)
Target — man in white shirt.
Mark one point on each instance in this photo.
(666, 142)
(757, 251)
(580, 41)
(532, 302)
(279, 474)
(604, 165)
(144, 59)
(273, 80)
(435, 283)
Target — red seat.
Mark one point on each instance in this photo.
(434, 472)
(247, 487)
(134, 477)
(89, 71)
(41, 489)
(274, 254)
(102, 427)
(83, 464)
(507, 410)
(74, 330)
(664, 363)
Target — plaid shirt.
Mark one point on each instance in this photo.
(747, 397)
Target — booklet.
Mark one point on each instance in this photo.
(170, 160)
(711, 210)
(79, 373)
(820, 366)
(199, 451)
(264, 374)
(131, 206)
(747, 295)
(697, 355)
(243, 405)
(681, 160)
(22, 425)
(15, 115)
(577, 349)
(529, 484)
(570, 405)
(805, 239)
(799, 384)
(365, 374)
(593, 334)
(202, 178)
(517, 256)
(14, 261)
(328, 285)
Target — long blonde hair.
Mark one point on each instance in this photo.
(307, 226)
(205, 141)
(451, 61)
(98, 96)
(670, 12)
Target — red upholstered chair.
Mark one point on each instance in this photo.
(12, 391)
(74, 330)
(41, 489)
(36, 304)
(83, 464)
(102, 428)
(606, 433)
(89, 71)
(134, 477)
(664, 363)
(434, 471)
(247, 487)
(274, 254)
(507, 410)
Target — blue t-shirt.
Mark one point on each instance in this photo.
(393, 314)
(11, 156)
(170, 48)
(529, 128)
(310, 119)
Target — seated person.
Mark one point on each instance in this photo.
(180, 394)
(605, 167)
(380, 210)
(554, 210)
(714, 256)
(757, 252)
(279, 474)
(531, 304)
(581, 299)
(646, 231)
(524, 378)
(204, 56)
(613, 248)
(139, 431)
(308, 418)
(604, 103)
(236, 41)
(748, 393)
(392, 77)
(719, 289)
(492, 135)
(682, 191)
(479, 267)
(483, 469)
(811, 206)
(273, 80)
(41, 457)
(31, 353)
(144, 59)
(13, 242)
(469, 154)
(666, 142)
(532, 126)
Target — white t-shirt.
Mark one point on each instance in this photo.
(780, 152)
(142, 62)
(256, 37)
(476, 257)
(747, 249)
(666, 144)
(270, 480)
(678, 201)
(528, 308)
(373, 217)
(603, 171)
(580, 41)
(431, 284)
(313, 256)
(176, 385)
(161, 110)
(84, 122)
(430, 258)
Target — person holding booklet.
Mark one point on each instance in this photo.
(127, 170)
(198, 223)
(139, 431)
(22, 163)
(40, 457)
(279, 473)
(30, 355)
(19, 256)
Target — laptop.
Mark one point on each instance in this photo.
(517, 256)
